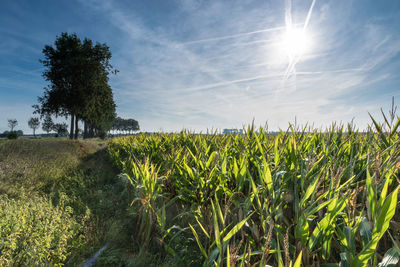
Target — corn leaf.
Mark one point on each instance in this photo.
(216, 227)
(395, 127)
(276, 151)
(297, 263)
(235, 229)
(302, 230)
(371, 194)
(390, 259)
(379, 129)
(381, 225)
(198, 241)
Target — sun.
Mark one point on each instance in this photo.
(296, 42)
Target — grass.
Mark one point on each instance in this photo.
(61, 202)
(27, 164)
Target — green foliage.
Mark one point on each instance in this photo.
(102, 135)
(60, 128)
(390, 259)
(29, 165)
(298, 197)
(34, 124)
(47, 124)
(77, 72)
(6, 133)
(12, 123)
(12, 135)
(74, 180)
(34, 232)
(125, 125)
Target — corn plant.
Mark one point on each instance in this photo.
(299, 197)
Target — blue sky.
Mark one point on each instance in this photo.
(215, 64)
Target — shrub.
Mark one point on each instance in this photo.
(102, 135)
(12, 135)
(33, 232)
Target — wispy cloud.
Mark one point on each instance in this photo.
(202, 64)
(233, 36)
(210, 78)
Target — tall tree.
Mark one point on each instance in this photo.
(99, 111)
(12, 123)
(61, 96)
(47, 124)
(77, 73)
(34, 123)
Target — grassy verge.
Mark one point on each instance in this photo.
(60, 202)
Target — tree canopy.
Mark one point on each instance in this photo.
(125, 125)
(77, 72)
(12, 123)
(60, 128)
(34, 123)
(47, 124)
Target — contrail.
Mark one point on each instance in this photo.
(288, 22)
(288, 14)
(309, 14)
(329, 71)
(233, 36)
(212, 85)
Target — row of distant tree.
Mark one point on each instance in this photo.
(119, 126)
(124, 126)
(34, 123)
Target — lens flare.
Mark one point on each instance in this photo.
(296, 42)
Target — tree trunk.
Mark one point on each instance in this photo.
(91, 132)
(71, 132)
(85, 130)
(76, 127)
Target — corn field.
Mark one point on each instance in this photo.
(298, 198)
